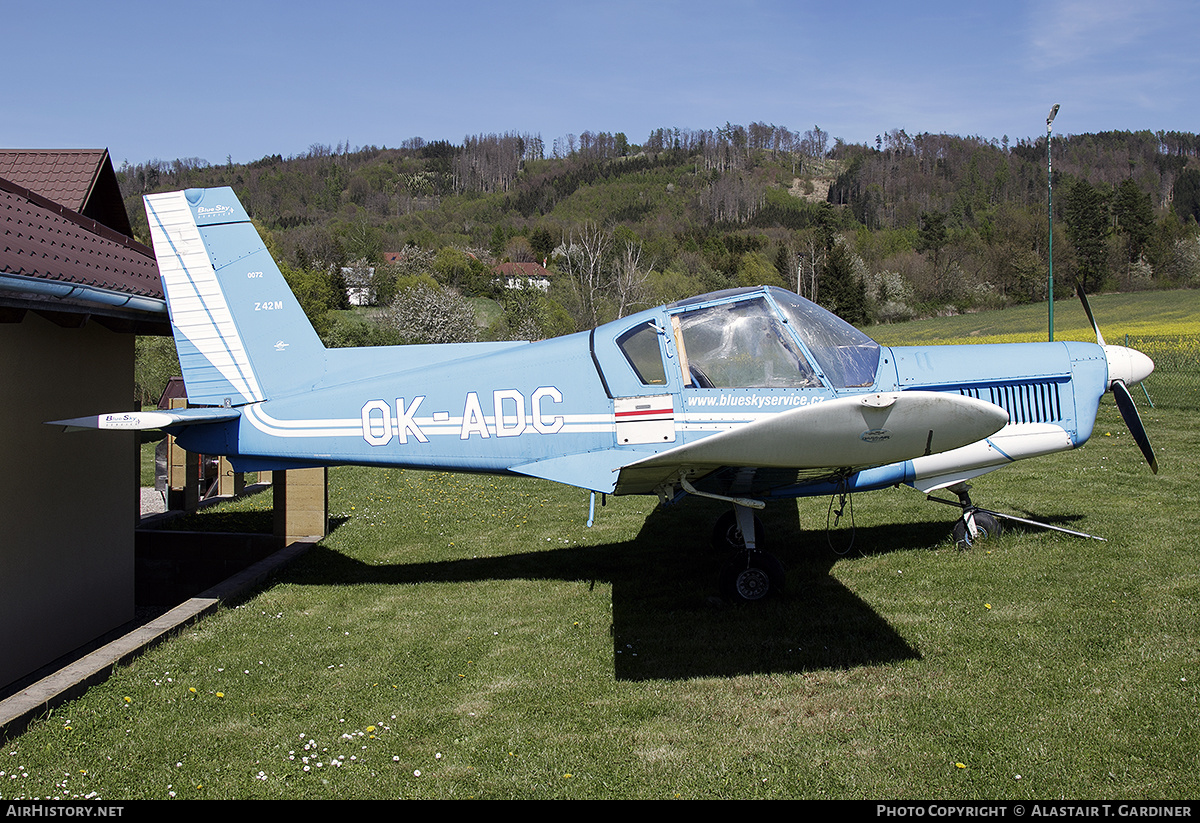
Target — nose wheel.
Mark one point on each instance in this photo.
(974, 527)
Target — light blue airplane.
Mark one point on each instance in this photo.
(746, 395)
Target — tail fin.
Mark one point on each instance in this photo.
(240, 332)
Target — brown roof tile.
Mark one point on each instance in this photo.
(523, 270)
(83, 180)
(39, 238)
(65, 176)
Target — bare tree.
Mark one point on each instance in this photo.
(629, 277)
(814, 143)
(583, 256)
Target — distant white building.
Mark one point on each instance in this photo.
(359, 284)
(523, 276)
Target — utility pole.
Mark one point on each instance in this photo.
(1050, 213)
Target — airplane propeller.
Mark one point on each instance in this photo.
(1125, 366)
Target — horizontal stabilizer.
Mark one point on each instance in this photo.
(139, 421)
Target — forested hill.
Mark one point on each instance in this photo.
(911, 225)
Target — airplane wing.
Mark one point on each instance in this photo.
(835, 436)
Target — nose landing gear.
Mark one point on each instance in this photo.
(977, 525)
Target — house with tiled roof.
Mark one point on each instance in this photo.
(75, 288)
(523, 276)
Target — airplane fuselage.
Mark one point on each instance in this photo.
(578, 406)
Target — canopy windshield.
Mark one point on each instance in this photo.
(741, 345)
(747, 344)
(847, 357)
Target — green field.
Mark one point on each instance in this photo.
(1139, 313)
(1163, 325)
(462, 636)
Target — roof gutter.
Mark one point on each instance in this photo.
(77, 291)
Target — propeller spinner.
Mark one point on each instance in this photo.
(1125, 366)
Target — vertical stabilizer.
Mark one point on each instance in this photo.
(240, 332)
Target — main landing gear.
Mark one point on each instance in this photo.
(752, 574)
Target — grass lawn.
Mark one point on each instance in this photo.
(468, 636)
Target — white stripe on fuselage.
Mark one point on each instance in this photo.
(436, 425)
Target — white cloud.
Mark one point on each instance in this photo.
(1067, 32)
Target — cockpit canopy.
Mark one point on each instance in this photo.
(756, 338)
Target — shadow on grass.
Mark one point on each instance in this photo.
(668, 621)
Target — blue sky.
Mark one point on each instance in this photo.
(167, 80)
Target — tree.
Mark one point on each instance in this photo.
(783, 263)
(932, 239)
(155, 363)
(814, 143)
(842, 290)
(630, 272)
(317, 293)
(529, 315)
(1086, 213)
(1186, 194)
(542, 243)
(462, 271)
(1134, 216)
(934, 235)
(583, 257)
(754, 269)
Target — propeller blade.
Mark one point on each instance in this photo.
(1125, 405)
(1091, 318)
(1133, 420)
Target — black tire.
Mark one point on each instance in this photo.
(726, 535)
(986, 526)
(751, 577)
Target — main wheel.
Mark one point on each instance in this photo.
(752, 576)
(727, 536)
(985, 526)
